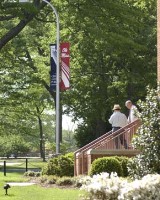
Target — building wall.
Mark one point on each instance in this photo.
(158, 41)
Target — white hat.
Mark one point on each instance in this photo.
(116, 107)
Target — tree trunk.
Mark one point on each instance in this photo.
(41, 136)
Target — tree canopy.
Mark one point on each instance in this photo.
(113, 58)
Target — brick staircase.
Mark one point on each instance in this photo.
(105, 146)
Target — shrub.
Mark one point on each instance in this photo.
(51, 167)
(43, 179)
(105, 186)
(77, 180)
(106, 164)
(124, 162)
(32, 174)
(70, 155)
(65, 181)
(52, 179)
(59, 166)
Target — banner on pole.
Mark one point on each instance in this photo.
(65, 69)
(53, 60)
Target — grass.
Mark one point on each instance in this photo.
(34, 192)
(38, 193)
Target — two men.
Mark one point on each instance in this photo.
(119, 120)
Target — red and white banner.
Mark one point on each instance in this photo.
(65, 69)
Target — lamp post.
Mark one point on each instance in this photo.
(57, 75)
(57, 80)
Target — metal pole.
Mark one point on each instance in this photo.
(57, 81)
(26, 164)
(4, 167)
(57, 77)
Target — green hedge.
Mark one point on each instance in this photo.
(60, 166)
(124, 161)
(106, 164)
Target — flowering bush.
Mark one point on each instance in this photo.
(146, 188)
(103, 186)
(148, 138)
(110, 187)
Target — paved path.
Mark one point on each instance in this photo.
(20, 184)
(9, 164)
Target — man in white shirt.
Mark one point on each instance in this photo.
(118, 120)
(132, 111)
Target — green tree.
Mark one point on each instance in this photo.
(24, 92)
(13, 144)
(113, 54)
(113, 59)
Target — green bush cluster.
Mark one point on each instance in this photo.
(110, 164)
(60, 166)
(51, 179)
(32, 174)
(61, 181)
(65, 181)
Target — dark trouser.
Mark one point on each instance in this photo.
(120, 139)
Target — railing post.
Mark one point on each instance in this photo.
(4, 167)
(26, 164)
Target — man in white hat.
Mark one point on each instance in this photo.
(118, 120)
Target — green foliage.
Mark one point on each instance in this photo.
(32, 174)
(60, 181)
(65, 181)
(114, 51)
(52, 179)
(69, 140)
(124, 161)
(114, 41)
(59, 166)
(106, 164)
(13, 144)
(43, 178)
(147, 139)
(84, 135)
(70, 155)
(64, 147)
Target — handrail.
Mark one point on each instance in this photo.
(101, 137)
(106, 136)
(105, 141)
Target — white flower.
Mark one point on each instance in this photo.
(114, 187)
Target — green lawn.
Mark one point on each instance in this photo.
(38, 193)
(34, 192)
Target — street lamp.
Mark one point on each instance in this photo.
(57, 76)
(57, 81)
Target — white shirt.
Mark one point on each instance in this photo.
(118, 119)
(132, 117)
